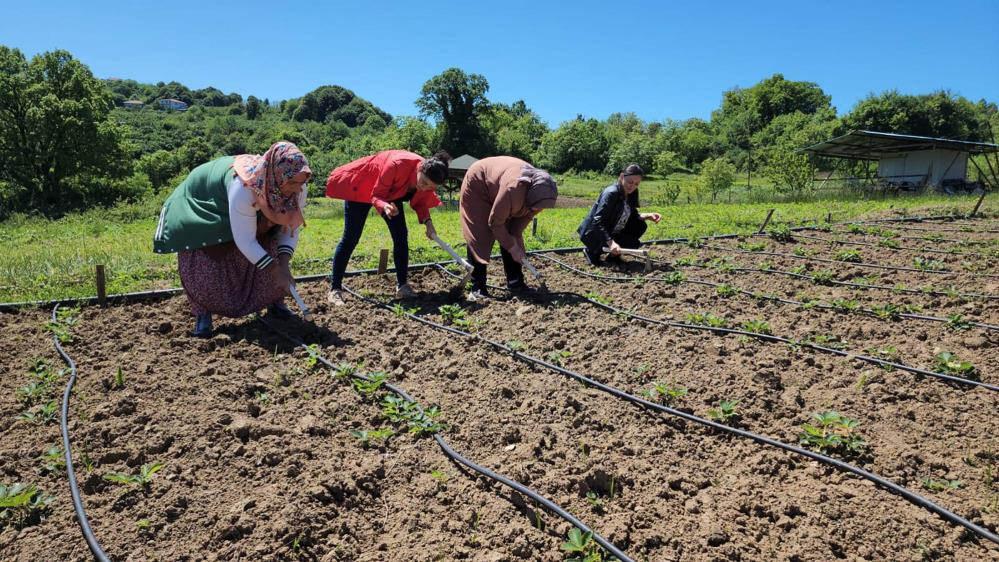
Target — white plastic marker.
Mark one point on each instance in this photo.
(301, 304)
(458, 259)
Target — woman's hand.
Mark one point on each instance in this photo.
(390, 210)
(654, 217)
(614, 248)
(431, 231)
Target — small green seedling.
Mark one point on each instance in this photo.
(887, 311)
(582, 547)
(934, 485)
(22, 505)
(886, 353)
(722, 264)
(262, 397)
(823, 277)
(674, 278)
(849, 256)
(845, 305)
(726, 290)
(403, 311)
(665, 393)
(928, 264)
(949, 363)
(32, 393)
(757, 326)
(42, 414)
(753, 246)
(781, 233)
(888, 243)
(453, 314)
(344, 371)
(766, 265)
(707, 319)
(596, 298)
(52, 460)
(141, 479)
(865, 280)
(595, 501)
(725, 412)
(440, 476)
(314, 354)
(515, 345)
(802, 252)
(856, 229)
(828, 340)
(685, 261)
(832, 432)
(559, 357)
(118, 382)
(695, 243)
(957, 323)
(368, 388)
(143, 524)
(370, 436)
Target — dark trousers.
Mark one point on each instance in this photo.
(629, 237)
(514, 271)
(354, 216)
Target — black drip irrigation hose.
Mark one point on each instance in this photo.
(967, 242)
(766, 337)
(910, 227)
(872, 245)
(884, 483)
(462, 460)
(686, 280)
(74, 489)
(845, 263)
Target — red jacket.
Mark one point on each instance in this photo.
(380, 179)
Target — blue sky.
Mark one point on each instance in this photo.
(658, 59)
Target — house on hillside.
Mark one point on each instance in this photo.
(172, 104)
(906, 162)
(133, 104)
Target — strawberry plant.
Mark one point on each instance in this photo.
(22, 505)
(582, 547)
(832, 432)
(597, 298)
(665, 393)
(674, 278)
(725, 412)
(722, 264)
(403, 311)
(757, 326)
(515, 345)
(781, 233)
(312, 359)
(802, 252)
(823, 277)
(453, 314)
(368, 388)
(695, 243)
(845, 305)
(343, 371)
(753, 246)
(888, 243)
(41, 414)
(369, 436)
(726, 290)
(887, 311)
(118, 381)
(928, 264)
(949, 363)
(886, 353)
(957, 323)
(52, 460)
(32, 393)
(559, 357)
(685, 260)
(766, 265)
(707, 319)
(141, 479)
(934, 485)
(849, 256)
(856, 229)
(828, 340)
(865, 280)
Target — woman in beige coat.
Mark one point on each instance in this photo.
(499, 197)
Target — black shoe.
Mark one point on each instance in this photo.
(203, 326)
(518, 287)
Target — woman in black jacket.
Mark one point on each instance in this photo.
(614, 221)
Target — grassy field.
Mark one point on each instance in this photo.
(49, 259)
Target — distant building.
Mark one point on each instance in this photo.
(173, 104)
(133, 104)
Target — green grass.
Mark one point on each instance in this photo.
(49, 259)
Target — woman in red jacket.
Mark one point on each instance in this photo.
(384, 180)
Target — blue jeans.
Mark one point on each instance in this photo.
(354, 216)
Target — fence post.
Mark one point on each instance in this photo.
(977, 205)
(382, 260)
(534, 227)
(102, 294)
(766, 221)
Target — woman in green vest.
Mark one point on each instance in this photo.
(234, 224)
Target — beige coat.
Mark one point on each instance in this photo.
(492, 207)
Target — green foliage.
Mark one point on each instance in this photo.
(845, 305)
(725, 412)
(22, 505)
(757, 326)
(707, 319)
(402, 311)
(344, 371)
(726, 290)
(673, 278)
(140, 479)
(950, 364)
(664, 393)
(368, 388)
(369, 436)
(850, 256)
(790, 171)
(888, 243)
(887, 311)
(52, 460)
(42, 414)
(928, 264)
(579, 144)
(823, 277)
(828, 340)
(938, 114)
(559, 357)
(453, 314)
(420, 421)
(458, 102)
(582, 547)
(753, 246)
(717, 176)
(781, 233)
(832, 432)
(596, 297)
(957, 323)
(938, 485)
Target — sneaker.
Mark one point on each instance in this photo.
(279, 310)
(477, 296)
(203, 326)
(335, 297)
(404, 291)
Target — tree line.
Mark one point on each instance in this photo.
(67, 142)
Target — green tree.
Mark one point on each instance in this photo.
(160, 167)
(939, 114)
(717, 176)
(252, 107)
(57, 139)
(458, 102)
(579, 144)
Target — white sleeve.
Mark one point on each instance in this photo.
(243, 219)
(288, 241)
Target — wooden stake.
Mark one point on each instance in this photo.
(766, 221)
(102, 295)
(979, 204)
(382, 261)
(534, 228)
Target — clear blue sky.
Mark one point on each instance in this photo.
(657, 59)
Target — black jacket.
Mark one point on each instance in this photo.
(599, 223)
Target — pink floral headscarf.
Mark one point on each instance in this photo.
(264, 175)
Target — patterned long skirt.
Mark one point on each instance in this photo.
(220, 280)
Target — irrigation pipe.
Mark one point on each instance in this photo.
(74, 488)
(773, 298)
(872, 245)
(923, 238)
(460, 459)
(910, 227)
(769, 337)
(888, 485)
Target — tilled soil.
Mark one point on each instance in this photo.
(260, 463)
